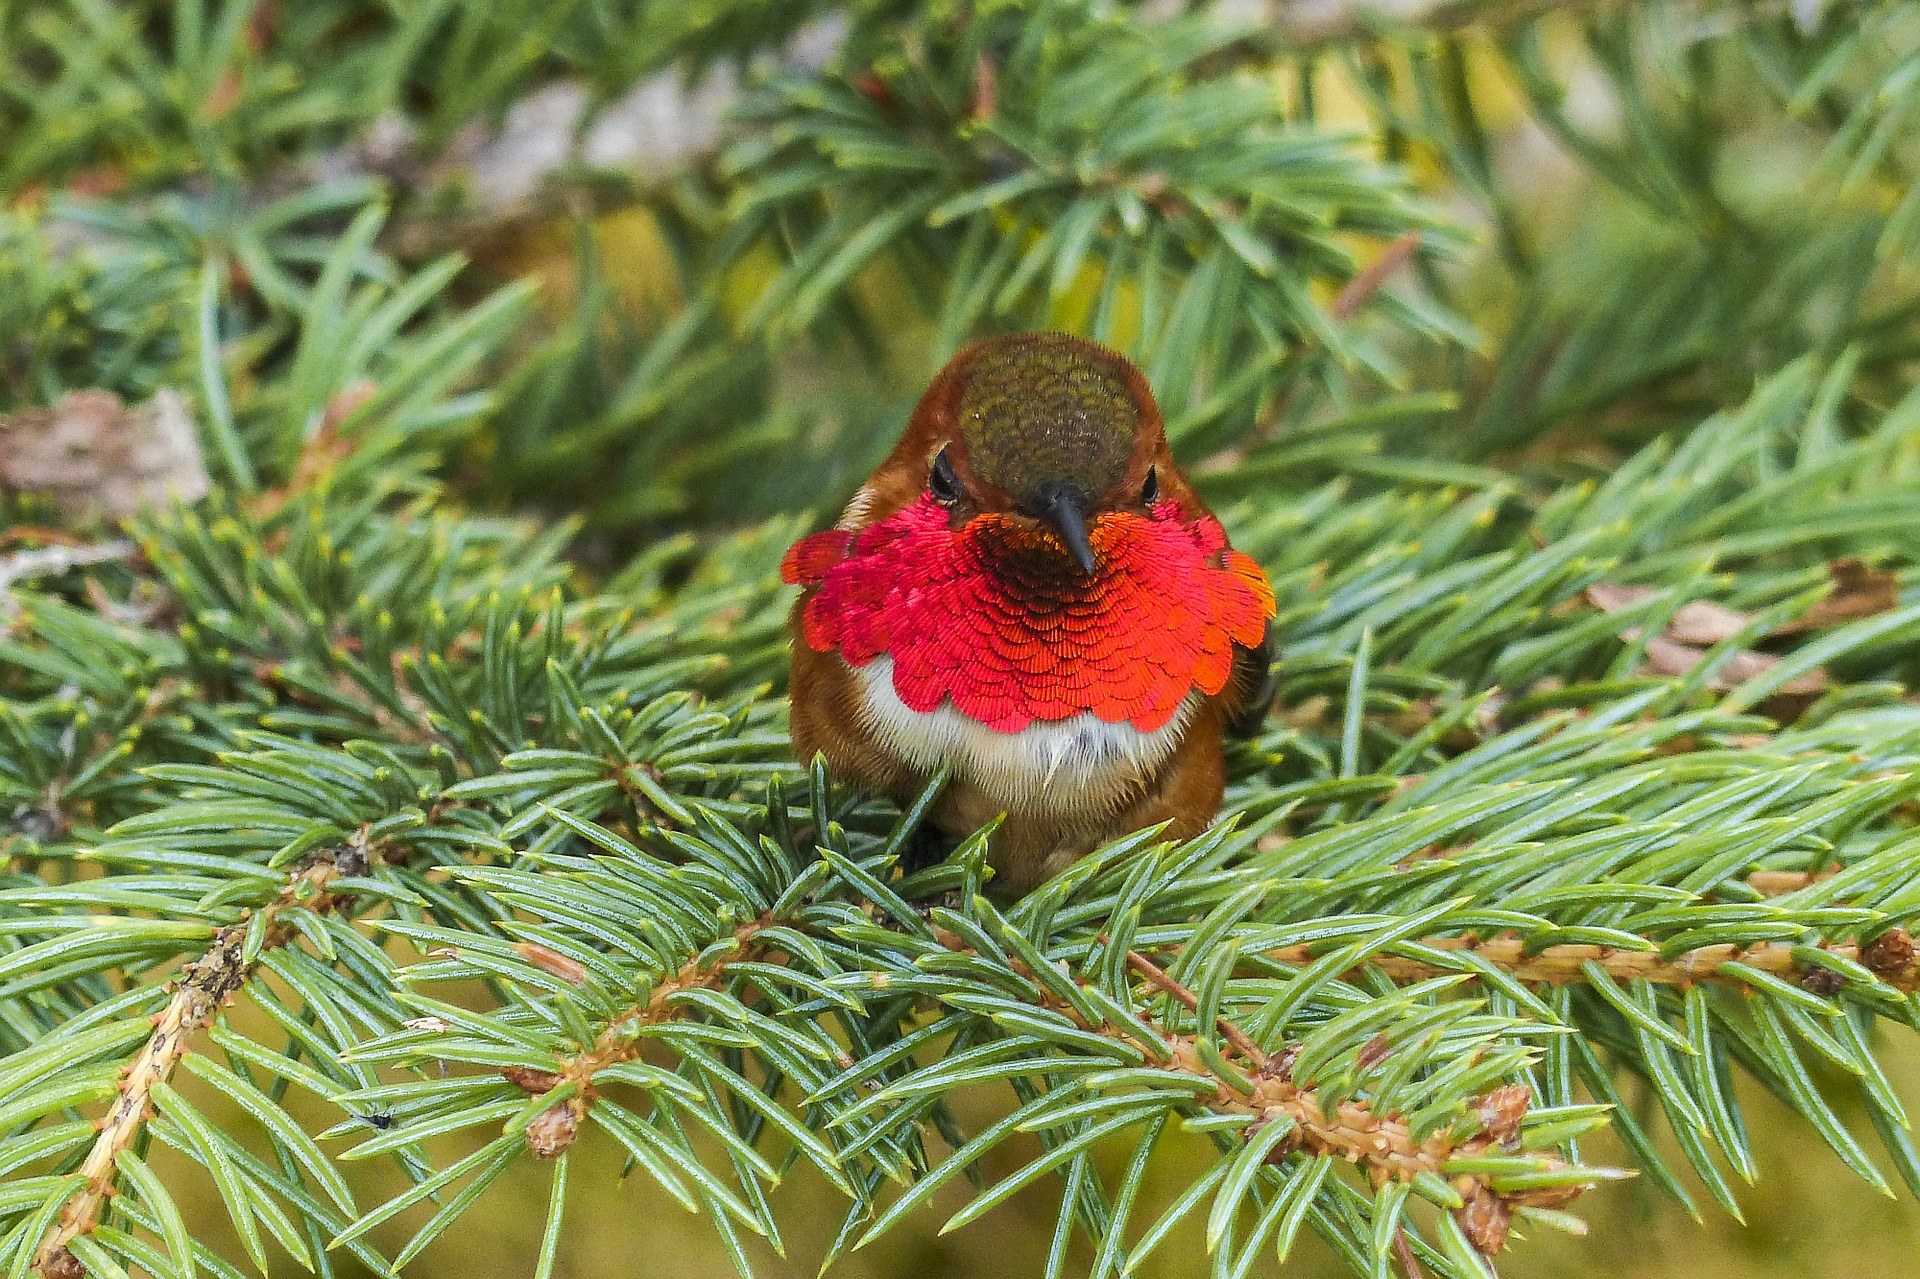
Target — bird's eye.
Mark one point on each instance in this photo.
(1150, 491)
(943, 483)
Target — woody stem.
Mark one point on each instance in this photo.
(559, 1126)
(205, 986)
(1383, 1144)
(1228, 1031)
(1890, 959)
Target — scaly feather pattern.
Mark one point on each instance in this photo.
(995, 616)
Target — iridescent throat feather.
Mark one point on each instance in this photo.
(994, 617)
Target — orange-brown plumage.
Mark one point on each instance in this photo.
(1030, 593)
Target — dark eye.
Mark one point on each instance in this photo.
(943, 483)
(1150, 491)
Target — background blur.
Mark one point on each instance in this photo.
(1580, 161)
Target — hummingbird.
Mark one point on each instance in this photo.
(1029, 594)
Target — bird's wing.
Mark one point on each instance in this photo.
(1252, 685)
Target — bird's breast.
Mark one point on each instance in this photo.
(1080, 763)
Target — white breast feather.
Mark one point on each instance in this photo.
(1081, 762)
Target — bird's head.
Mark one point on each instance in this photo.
(1030, 550)
(1041, 428)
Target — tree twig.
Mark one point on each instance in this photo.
(1382, 1144)
(1158, 977)
(1409, 1264)
(1560, 965)
(557, 1127)
(51, 561)
(204, 987)
(1369, 279)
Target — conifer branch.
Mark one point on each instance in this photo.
(203, 989)
(1383, 1145)
(366, 627)
(1778, 883)
(556, 1128)
(51, 561)
(1157, 977)
(1890, 958)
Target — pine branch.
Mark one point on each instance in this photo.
(1157, 977)
(52, 561)
(1381, 1144)
(1599, 755)
(558, 1127)
(1139, 161)
(1889, 960)
(1384, 1144)
(200, 991)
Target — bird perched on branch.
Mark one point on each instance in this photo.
(1029, 593)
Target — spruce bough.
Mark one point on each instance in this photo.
(369, 786)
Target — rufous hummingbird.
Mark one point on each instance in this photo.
(1029, 594)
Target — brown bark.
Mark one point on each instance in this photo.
(204, 987)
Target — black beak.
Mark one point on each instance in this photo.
(1064, 508)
